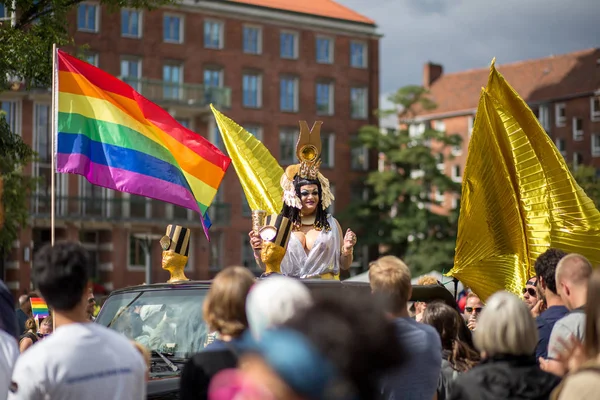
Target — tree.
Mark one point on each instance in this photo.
(587, 178)
(25, 48)
(401, 215)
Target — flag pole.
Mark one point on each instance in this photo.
(53, 143)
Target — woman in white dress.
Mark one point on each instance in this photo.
(317, 249)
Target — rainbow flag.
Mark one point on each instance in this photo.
(39, 308)
(116, 138)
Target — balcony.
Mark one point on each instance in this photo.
(121, 210)
(181, 94)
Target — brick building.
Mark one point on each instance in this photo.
(563, 91)
(265, 64)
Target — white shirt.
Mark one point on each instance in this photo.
(80, 361)
(9, 351)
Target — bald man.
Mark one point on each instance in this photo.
(572, 276)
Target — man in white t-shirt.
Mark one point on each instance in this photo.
(81, 359)
(9, 350)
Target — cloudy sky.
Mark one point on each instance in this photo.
(466, 34)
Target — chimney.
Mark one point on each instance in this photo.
(431, 73)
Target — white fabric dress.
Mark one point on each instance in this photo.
(323, 258)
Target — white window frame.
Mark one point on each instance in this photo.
(179, 89)
(96, 59)
(470, 124)
(134, 267)
(364, 153)
(219, 70)
(439, 125)
(331, 85)
(181, 28)
(595, 113)
(440, 196)
(366, 103)
(577, 134)
(16, 105)
(596, 145)
(259, 39)
(575, 163)
(96, 22)
(259, 89)
(456, 151)
(456, 177)
(330, 137)
(9, 17)
(558, 120)
(296, 86)
(259, 130)
(558, 143)
(331, 49)
(365, 47)
(296, 44)
(139, 72)
(140, 26)
(286, 131)
(221, 26)
(454, 203)
(544, 117)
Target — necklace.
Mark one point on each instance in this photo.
(308, 220)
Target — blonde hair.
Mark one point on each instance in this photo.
(506, 327)
(225, 304)
(390, 277)
(427, 280)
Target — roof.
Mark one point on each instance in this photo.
(536, 81)
(321, 8)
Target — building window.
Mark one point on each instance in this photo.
(440, 196)
(544, 117)
(324, 47)
(252, 90)
(456, 177)
(131, 71)
(359, 158)
(172, 28)
(137, 255)
(358, 54)
(247, 253)
(328, 150)
(91, 58)
(595, 108)
(255, 130)
(4, 12)
(172, 80)
(289, 45)
(10, 112)
(185, 122)
(213, 34)
(455, 203)
(131, 23)
(216, 251)
(456, 150)
(246, 211)
(470, 123)
(578, 129)
(288, 94)
(218, 139)
(359, 103)
(252, 39)
(561, 146)
(87, 17)
(595, 145)
(213, 77)
(560, 111)
(325, 98)
(440, 126)
(577, 160)
(287, 145)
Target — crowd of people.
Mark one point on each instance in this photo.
(275, 339)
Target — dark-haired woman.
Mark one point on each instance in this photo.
(457, 355)
(318, 248)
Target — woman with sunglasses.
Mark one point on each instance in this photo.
(33, 334)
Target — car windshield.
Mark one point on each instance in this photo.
(167, 321)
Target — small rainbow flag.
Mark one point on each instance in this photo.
(118, 139)
(39, 308)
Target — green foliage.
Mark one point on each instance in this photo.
(399, 216)
(26, 56)
(587, 178)
(14, 156)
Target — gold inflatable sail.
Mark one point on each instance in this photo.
(518, 198)
(257, 169)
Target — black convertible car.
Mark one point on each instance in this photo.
(137, 311)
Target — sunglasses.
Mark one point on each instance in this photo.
(531, 291)
(470, 309)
